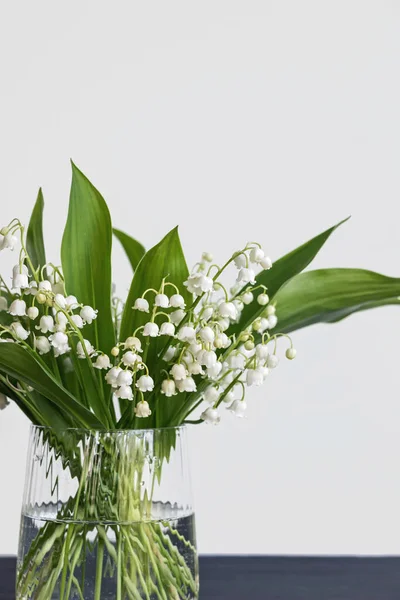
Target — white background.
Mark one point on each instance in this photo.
(243, 120)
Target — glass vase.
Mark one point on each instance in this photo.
(107, 515)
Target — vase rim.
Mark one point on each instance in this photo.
(113, 431)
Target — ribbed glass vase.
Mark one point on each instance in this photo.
(107, 515)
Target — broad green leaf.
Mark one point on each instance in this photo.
(328, 295)
(34, 235)
(86, 257)
(21, 364)
(133, 249)
(283, 269)
(166, 259)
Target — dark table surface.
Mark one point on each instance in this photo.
(279, 578)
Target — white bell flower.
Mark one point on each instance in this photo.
(194, 348)
(214, 371)
(33, 289)
(170, 353)
(208, 358)
(19, 331)
(262, 351)
(236, 361)
(222, 341)
(263, 325)
(168, 388)
(223, 324)
(141, 304)
(125, 378)
(247, 298)
(207, 313)
(291, 353)
(207, 335)
(264, 371)
(177, 316)
(272, 361)
(130, 358)
(3, 402)
(272, 321)
(256, 255)
(254, 377)
(211, 416)
(199, 284)
(211, 395)
(3, 304)
(186, 385)
(88, 314)
(145, 383)
(77, 321)
(177, 301)
(61, 322)
(80, 350)
(266, 263)
(8, 241)
(263, 299)
(133, 343)
(186, 334)
(238, 408)
(20, 281)
(178, 372)
(33, 312)
(194, 368)
(71, 303)
(240, 261)
(42, 345)
(167, 328)
(59, 341)
(151, 329)
(17, 269)
(161, 300)
(102, 362)
(124, 392)
(46, 324)
(238, 305)
(246, 276)
(45, 286)
(112, 376)
(18, 308)
(142, 409)
(228, 310)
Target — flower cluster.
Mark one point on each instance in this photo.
(208, 355)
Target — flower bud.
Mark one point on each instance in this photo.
(41, 298)
(263, 299)
(249, 345)
(33, 312)
(115, 351)
(247, 298)
(291, 353)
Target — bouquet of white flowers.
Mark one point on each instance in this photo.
(182, 346)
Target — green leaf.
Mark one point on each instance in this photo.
(34, 235)
(283, 269)
(86, 257)
(133, 249)
(329, 295)
(22, 364)
(166, 259)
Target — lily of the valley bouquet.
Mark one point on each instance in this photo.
(93, 371)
